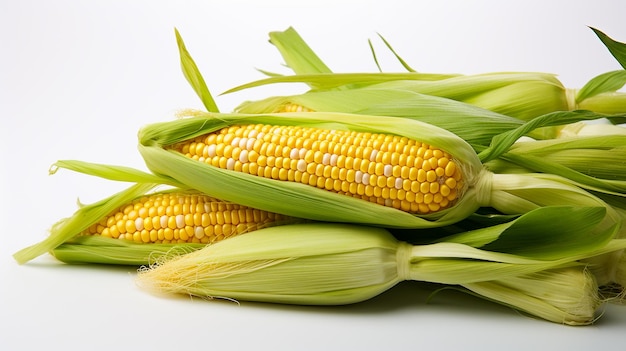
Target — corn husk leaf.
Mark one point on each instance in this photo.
(502, 142)
(596, 163)
(535, 93)
(369, 43)
(475, 125)
(552, 232)
(566, 296)
(193, 75)
(112, 172)
(302, 264)
(541, 189)
(522, 95)
(608, 82)
(397, 56)
(86, 215)
(616, 48)
(67, 229)
(101, 250)
(297, 54)
(336, 80)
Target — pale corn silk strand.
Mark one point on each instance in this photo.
(483, 188)
(404, 255)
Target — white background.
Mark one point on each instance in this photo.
(78, 79)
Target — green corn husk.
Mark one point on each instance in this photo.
(444, 113)
(523, 95)
(595, 162)
(68, 243)
(109, 251)
(391, 102)
(570, 293)
(332, 264)
(508, 193)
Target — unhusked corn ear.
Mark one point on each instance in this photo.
(386, 169)
(181, 218)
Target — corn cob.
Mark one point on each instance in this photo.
(384, 169)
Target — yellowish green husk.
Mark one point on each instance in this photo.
(334, 264)
(568, 295)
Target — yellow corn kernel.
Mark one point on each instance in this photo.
(181, 218)
(346, 162)
(291, 107)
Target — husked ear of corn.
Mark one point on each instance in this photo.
(385, 171)
(332, 264)
(276, 161)
(158, 224)
(138, 225)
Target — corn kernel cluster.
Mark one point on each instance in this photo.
(386, 169)
(181, 218)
